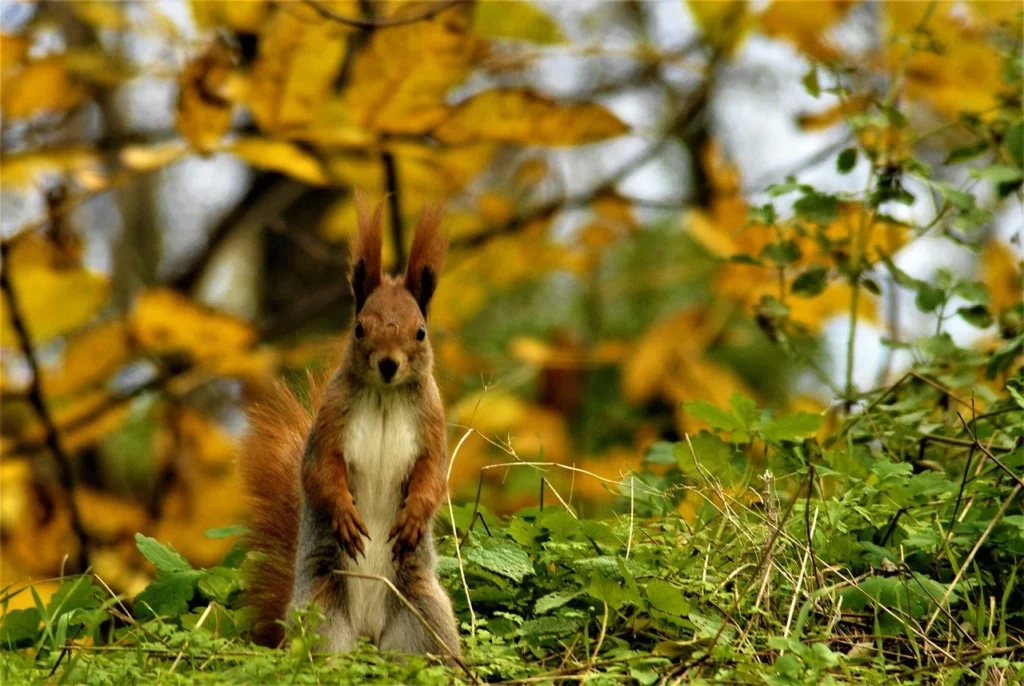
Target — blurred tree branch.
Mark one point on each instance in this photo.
(370, 24)
(52, 441)
(267, 198)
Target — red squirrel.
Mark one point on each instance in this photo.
(356, 486)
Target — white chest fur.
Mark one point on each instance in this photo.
(380, 445)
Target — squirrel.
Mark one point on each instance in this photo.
(354, 487)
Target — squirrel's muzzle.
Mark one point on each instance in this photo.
(387, 368)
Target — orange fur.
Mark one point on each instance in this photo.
(269, 461)
(365, 265)
(429, 245)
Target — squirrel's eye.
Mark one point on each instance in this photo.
(421, 333)
(359, 329)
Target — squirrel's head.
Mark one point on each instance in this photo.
(389, 344)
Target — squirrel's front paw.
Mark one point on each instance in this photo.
(350, 529)
(407, 532)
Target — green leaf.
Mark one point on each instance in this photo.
(972, 291)
(18, 626)
(782, 252)
(169, 595)
(998, 173)
(765, 214)
(713, 415)
(665, 597)
(810, 82)
(515, 19)
(818, 207)
(226, 532)
(543, 626)
(956, 197)
(712, 453)
(976, 315)
(661, 452)
(1016, 395)
(846, 161)
(553, 601)
(964, 153)
(163, 557)
(928, 298)
(1014, 140)
(810, 282)
(501, 557)
(1004, 356)
(792, 426)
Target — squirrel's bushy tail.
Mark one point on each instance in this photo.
(271, 462)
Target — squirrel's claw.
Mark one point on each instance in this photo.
(350, 530)
(406, 533)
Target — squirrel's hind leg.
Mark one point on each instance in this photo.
(406, 633)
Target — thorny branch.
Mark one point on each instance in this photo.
(52, 440)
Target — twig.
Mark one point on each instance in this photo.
(988, 453)
(52, 439)
(370, 24)
(629, 541)
(416, 613)
(455, 534)
(970, 557)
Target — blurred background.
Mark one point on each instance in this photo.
(177, 199)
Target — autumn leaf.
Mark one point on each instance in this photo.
(300, 54)
(203, 108)
(280, 155)
(523, 117)
(724, 23)
(961, 72)
(43, 86)
(806, 24)
(55, 295)
(164, 321)
(399, 81)
(89, 357)
(81, 165)
(245, 17)
(517, 19)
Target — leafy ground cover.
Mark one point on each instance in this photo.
(774, 549)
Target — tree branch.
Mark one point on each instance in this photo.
(370, 24)
(395, 203)
(268, 197)
(52, 440)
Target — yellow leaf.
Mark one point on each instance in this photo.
(834, 115)
(400, 80)
(615, 466)
(244, 16)
(282, 156)
(55, 295)
(150, 157)
(203, 109)
(108, 517)
(102, 14)
(1002, 275)
(190, 511)
(43, 86)
(13, 49)
(201, 439)
(806, 24)
(28, 168)
(89, 358)
(164, 321)
(523, 117)
(724, 23)
(964, 72)
(300, 54)
(516, 19)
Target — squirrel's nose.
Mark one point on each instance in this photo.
(387, 368)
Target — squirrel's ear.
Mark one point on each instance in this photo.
(365, 273)
(429, 245)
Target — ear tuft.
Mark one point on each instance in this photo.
(429, 245)
(366, 274)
